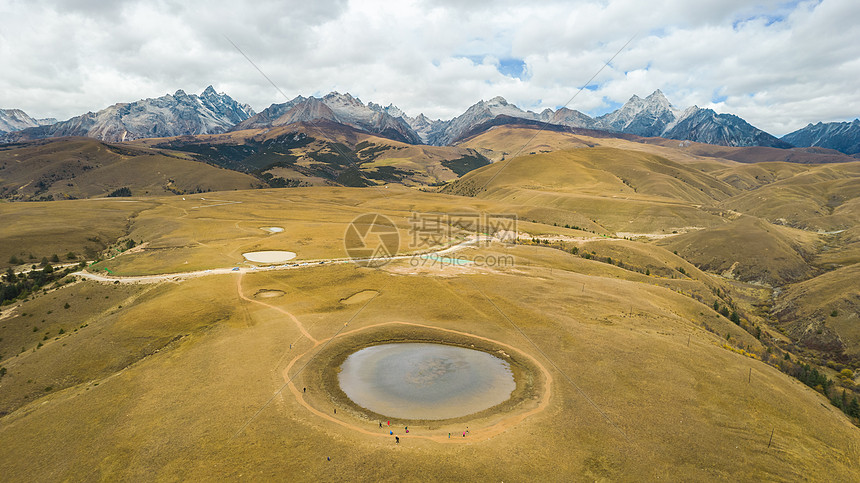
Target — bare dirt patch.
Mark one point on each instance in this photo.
(359, 297)
(268, 293)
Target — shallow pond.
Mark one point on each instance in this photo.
(425, 381)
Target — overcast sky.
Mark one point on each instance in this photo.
(777, 64)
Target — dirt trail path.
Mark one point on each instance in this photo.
(293, 265)
(292, 317)
(476, 434)
(439, 436)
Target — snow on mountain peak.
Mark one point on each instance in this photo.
(168, 115)
(16, 119)
(497, 101)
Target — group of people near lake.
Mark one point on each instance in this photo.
(406, 429)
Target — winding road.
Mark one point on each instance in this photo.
(99, 277)
(440, 435)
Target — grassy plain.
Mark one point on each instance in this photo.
(182, 374)
(202, 378)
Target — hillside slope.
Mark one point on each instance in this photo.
(68, 168)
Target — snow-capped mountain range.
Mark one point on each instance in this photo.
(212, 113)
(335, 107)
(16, 119)
(169, 115)
(841, 136)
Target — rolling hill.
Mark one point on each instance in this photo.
(172, 377)
(326, 153)
(69, 168)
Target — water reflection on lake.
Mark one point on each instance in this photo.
(425, 381)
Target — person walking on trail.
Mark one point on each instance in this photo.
(397, 440)
(304, 389)
(380, 424)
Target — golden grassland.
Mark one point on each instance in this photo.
(180, 374)
(202, 378)
(85, 168)
(83, 227)
(826, 307)
(770, 223)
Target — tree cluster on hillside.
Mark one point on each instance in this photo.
(843, 395)
(120, 192)
(21, 285)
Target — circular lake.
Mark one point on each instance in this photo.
(425, 381)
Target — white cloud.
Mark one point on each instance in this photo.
(777, 65)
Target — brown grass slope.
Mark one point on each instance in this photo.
(503, 142)
(621, 190)
(841, 248)
(32, 231)
(756, 154)
(176, 380)
(327, 153)
(749, 249)
(818, 198)
(824, 313)
(83, 168)
(746, 177)
(149, 408)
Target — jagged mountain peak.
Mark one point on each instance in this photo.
(16, 120)
(168, 115)
(394, 111)
(390, 109)
(341, 108)
(841, 136)
(497, 101)
(345, 98)
(706, 126)
(644, 117)
(211, 112)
